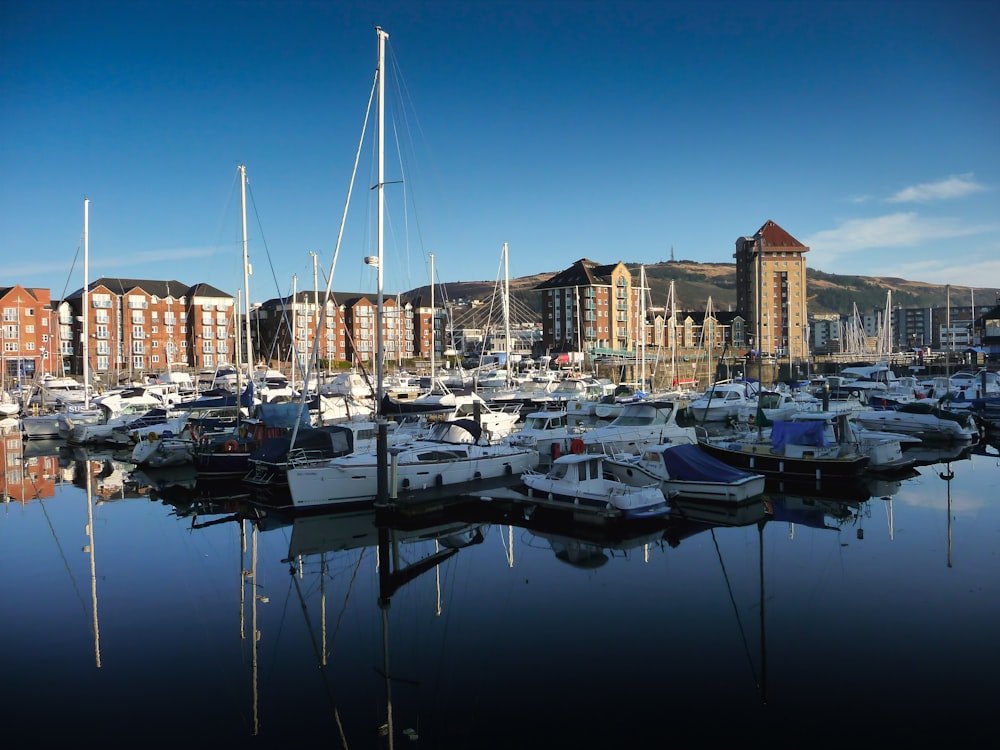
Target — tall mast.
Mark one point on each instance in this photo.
(673, 337)
(295, 322)
(85, 343)
(246, 272)
(433, 316)
(379, 335)
(642, 326)
(506, 310)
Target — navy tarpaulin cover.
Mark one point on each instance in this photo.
(690, 463)
(329, 441)
(283, 414)
(807, 432)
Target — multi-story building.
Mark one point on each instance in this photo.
(27, 332)
(347, 329)
(590, 307)
(140, 326)
(346, 326)
(771, 291)
(987, 331)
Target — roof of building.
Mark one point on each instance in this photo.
(582, 273)
(775, 236)
(153, 287)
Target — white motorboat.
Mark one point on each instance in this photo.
(112, 409)
(578, 483)
(453, 453)
(642, 424)
(551, 432)
(724, 400)
(158, 450)
(923, 419)
(688, 471)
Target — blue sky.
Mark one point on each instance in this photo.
(614, 131)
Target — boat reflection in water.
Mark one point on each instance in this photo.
(349, 625)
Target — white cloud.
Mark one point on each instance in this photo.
(905, 229)
(955, 186)
(909, 246)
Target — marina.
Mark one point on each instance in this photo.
(162, 605)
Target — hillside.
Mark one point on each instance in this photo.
(695, 282)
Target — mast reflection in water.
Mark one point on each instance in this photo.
(795, 616)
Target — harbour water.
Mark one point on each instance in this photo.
(156, 611)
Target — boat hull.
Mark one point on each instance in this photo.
(762, 459)
(353, 480)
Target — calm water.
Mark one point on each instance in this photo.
(132, 618)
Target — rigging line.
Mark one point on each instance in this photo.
(327, 296)
(70, 274)
(62, 554)
(400, 110)
(739, 622)
(316, 651)
(350, 588)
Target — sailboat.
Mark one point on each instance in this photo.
(227, 453)
(69, 400)
(453, 453)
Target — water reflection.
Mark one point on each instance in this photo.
(446, 629)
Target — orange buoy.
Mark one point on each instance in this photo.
(230, 446)
(577, 446)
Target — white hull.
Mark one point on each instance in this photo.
(43, 426)
(706, 484)
(639, 425)
(923, 426)
(161, 452)
(577, 483)
(352, 479)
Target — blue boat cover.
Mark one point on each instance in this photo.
(283, 414)
(690, 463)
(806, 432)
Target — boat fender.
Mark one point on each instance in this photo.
(508, 470)
(478, 475)
(152, 437)
(230, 446)
(204, 439)
(438, 480)
(556, 450)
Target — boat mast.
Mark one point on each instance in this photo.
(708, 334)
(85, 344)
(673, 338)
(246, 274)
(295, 322)
(379, 335)
(506, 311)
(642, 327)
(433, 331)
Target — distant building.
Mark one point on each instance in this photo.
(771, 291)
(590, 307)
(27, 332)
(987, 328)
(347, 328)
(140, 326)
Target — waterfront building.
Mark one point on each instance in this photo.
(143, 326)
(27, 332)
(590, 307)
(771, 291)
